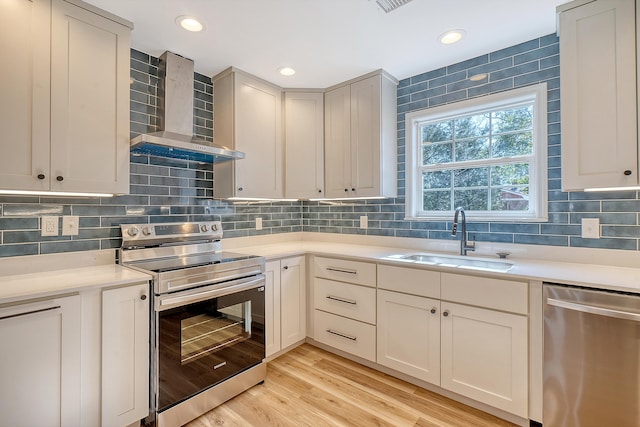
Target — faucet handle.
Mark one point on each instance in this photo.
(471, 244)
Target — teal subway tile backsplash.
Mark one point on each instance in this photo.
(165, 190)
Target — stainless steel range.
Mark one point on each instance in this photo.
(208, 331)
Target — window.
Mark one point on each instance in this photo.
(487, 155)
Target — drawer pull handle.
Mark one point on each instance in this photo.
(342, 270)
(26, 313)
(349, 337)
(346, 301)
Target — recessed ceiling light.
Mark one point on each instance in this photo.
(451, 36)
(286, 71)
(190, 23)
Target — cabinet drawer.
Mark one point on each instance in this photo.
(347, 335)
(361, 273)
(506, 295)
(352, 301)
(409, 280)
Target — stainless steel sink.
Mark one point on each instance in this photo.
(458, 262)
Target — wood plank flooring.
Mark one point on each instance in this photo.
(308, 386)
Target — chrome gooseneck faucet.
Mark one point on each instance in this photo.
(465, 245)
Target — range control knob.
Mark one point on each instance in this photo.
(214, 227)
(204, 228)
(133, 231)
(147, 230)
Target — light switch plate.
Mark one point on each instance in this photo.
(49, 226)
(590, 228)
(258, 223)
(70, 225)
(364, 222)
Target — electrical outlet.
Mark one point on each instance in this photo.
(258, 223)
(49, 226)
(70, 225)
(590, 228)
(364, 222)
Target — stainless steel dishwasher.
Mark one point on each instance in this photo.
(591, 357)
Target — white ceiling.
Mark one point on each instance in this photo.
(330, 41)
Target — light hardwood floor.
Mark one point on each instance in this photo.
(308, 386)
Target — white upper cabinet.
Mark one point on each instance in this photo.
(65, 105)
(598, 94)
(360, 138)
(304, 145)
(248, 117)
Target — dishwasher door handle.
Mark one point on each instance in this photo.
(601, 311)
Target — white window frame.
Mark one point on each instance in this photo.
(538, 185)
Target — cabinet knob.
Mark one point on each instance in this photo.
(628, 172)
(286, 267)
(433, 310)
(240, 188)
(445, 313)
(41, 176)
(59, 178)
(353, 189)
(143, 297)
(346, 190)
(319, 190)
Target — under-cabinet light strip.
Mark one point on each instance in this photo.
(54, 193)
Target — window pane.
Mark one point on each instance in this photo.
(437, 179)
(512, 120)
(472, 200)
(513, 144)
(510, 198)
(437, 153)
(468, 127)
(437, 201)
(437, 132)
(473, 177)
(513, 174)
(472, 149)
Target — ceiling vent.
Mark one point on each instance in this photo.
(389, 5)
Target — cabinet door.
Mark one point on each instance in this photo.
(337, 148)
(304, 145)
(40, 369)
(293, 301)
(365, 137)
(485, 356)
(258, 133)
(89, 101)
(125, 355)
(24, 103)
(272, 307)
(598, 87)
(409, 335)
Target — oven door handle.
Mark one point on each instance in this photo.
(166, 302)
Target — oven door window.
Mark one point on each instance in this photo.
(204, 343)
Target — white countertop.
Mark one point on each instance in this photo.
(571, 273)
(40, 276)
(47, 278)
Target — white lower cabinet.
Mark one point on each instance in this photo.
(466, 334)
(345, 334)
(485, 356)
(344, 302)
(125, 355)
(40, 368)
(285, 309)
(409, 335)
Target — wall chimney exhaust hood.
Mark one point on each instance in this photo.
(175, 138)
